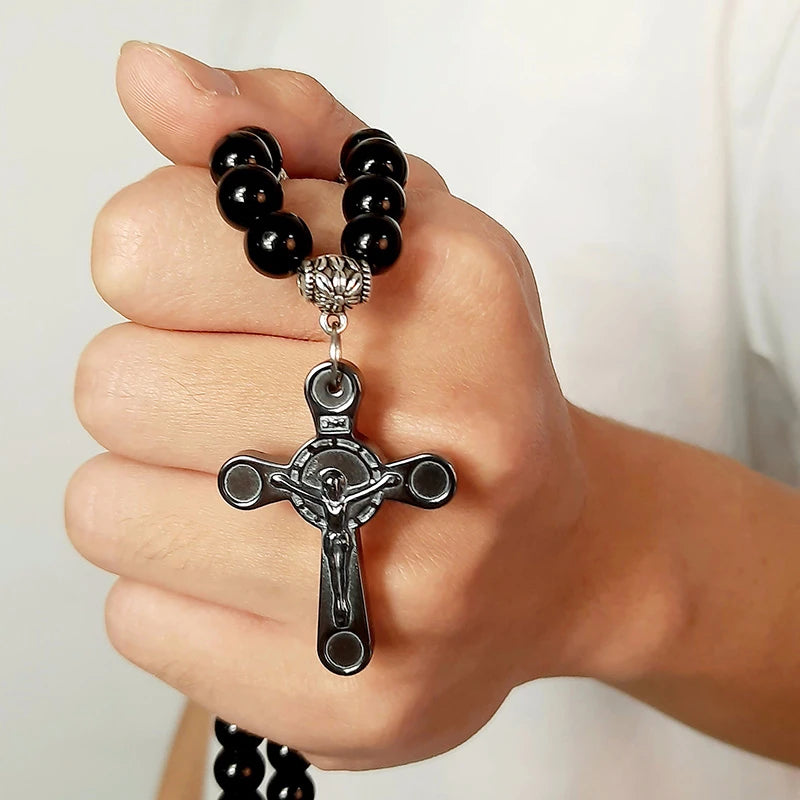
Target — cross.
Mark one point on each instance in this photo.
(337, 483)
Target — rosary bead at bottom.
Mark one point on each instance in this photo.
(284, 759)
(233, 737)
(239, 770)
(290, 787)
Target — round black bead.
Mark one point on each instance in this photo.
(290, 787)
(357, 138)
(251, 795)
(375, 239)
(285, 759)
(271, 143)
(246, 193)
(234, 737)
(376, 157)
(277, 243)
(239, 770)
(374, 194)
(235, 149)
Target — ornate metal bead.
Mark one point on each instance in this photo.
(334, 283)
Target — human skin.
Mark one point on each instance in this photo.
(574, 546)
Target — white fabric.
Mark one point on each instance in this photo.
(645, 153)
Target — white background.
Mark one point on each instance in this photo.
(592, 168)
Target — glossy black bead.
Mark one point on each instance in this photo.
(285, 759)
(376, 157)
(233, 737)
(357, 138)
(277, 243)
(374, 194)
(235, 149)
(373, 238)
(251, 795)
(290, 787)
(239, 770)
(271, 143)
(246, 193)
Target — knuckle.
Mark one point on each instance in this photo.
(474, 267)
(126, 234)
(328, 763)
(382, 729)
(506, 450)
(116, 244)
(422, 172)
(129, 615)
(100, 380)
(444, 611)
(80, 506)
(120, 617)
(310, 92)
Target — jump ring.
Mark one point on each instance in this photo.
(330, 321)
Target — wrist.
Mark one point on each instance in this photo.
(634, 599)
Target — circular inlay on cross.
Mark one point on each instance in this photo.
(346, 651)
(243, 484)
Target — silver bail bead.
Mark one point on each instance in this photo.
(334, 283)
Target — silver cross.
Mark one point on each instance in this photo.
(337, 483)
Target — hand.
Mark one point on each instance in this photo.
(497, 588)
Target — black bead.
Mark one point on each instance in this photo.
(251, 795)
(290, 787)
(357, 138)
(376, 157)
(285, 759)
(374, 194)
(271, 143)
(246, 193)
(235, 149)
(377, 240)
(234, 737)
(239, 770)
(277, 243)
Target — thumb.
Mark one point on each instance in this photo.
(182, 106)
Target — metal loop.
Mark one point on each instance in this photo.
(334, 325)
(330, 321)
(335, 352)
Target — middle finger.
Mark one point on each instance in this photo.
(192, 400)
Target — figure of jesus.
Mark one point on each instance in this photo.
(338, 539)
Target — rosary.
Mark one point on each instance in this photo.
(334, 481)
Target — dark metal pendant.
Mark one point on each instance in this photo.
(337, 483)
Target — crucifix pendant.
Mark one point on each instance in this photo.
(337, 483)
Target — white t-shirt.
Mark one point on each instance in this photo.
(646, 154)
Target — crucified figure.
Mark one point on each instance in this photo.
(337, 535)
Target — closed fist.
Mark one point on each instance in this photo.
(465, 602)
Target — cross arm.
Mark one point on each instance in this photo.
(426, 481)
(245, 480)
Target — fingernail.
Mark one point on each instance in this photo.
(204, 78)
